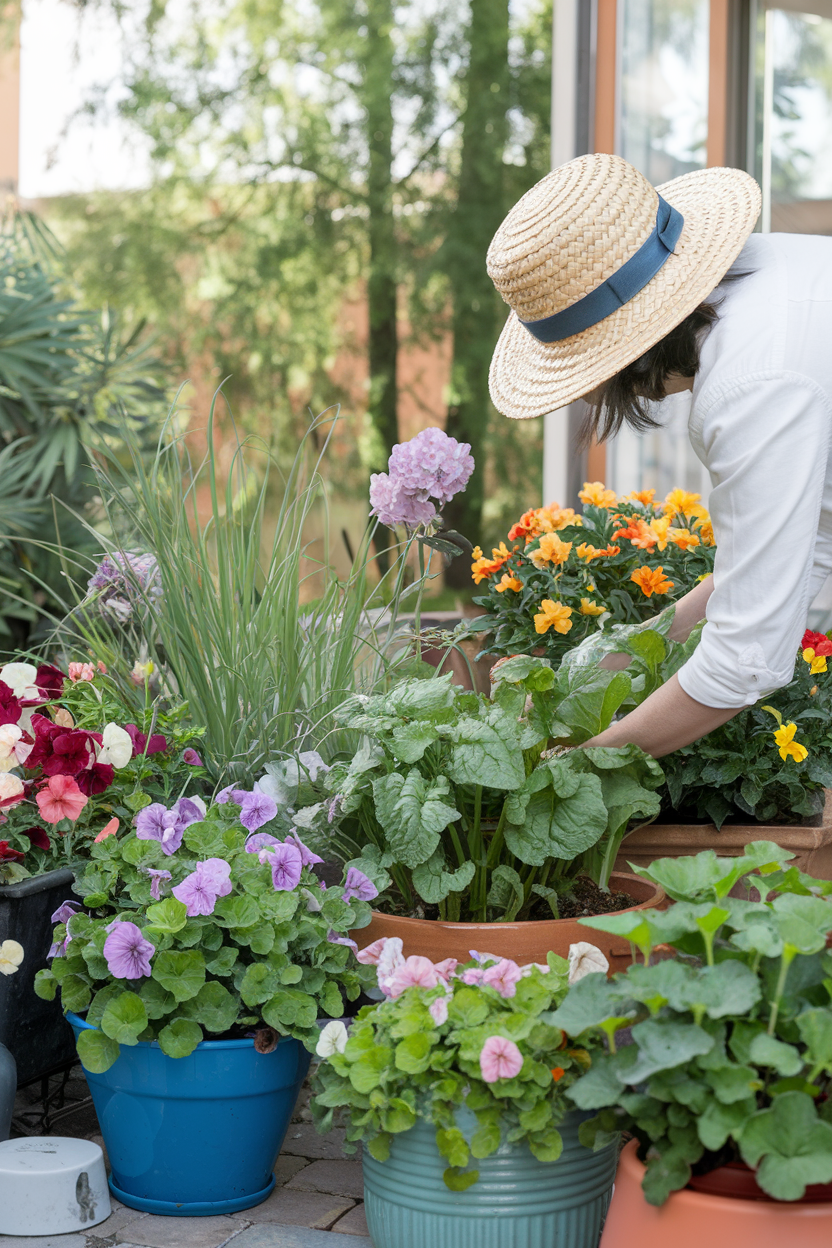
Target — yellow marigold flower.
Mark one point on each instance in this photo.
(652, 580)
(596, 494)
(789, 748)
(697, 514)
(592, 589)
(591, 608)
(562, 517)
(482, 567)
(817, 662)
(507, 581)
(683, 538)
(642, 496)
(637, 531)
(706, 532)
(553, 615)
(680, 501)
(587, 552)
(660, 526)
(551, 550)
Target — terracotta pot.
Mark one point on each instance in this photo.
(690, 1219)
(738, 1180)
(523, 942)
(812, 846)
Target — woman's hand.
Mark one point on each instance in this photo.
(665, 721)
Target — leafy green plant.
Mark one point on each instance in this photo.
(192, 927)
(466, 1050)
(731, 1041)
(452, 801)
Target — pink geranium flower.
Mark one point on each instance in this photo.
(416, 972)
(438, 1010)
(60, 799)
(81, 671)
(503, 977)
(446, 968)
(110, 828)
(370, 954)
(500, 1059)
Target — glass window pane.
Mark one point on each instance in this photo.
(663, 102)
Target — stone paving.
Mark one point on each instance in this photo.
(317, 1203)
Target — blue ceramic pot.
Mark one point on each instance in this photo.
(199, 1134)
(518, 1202)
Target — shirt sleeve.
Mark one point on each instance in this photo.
(766, 442)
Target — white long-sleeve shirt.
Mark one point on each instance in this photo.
(761, 423)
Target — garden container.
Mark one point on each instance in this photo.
(517, 1202)
(51, 1185)
(691, 1219)
(523, 942)
(200, 1134)
(811, 844)
(33, 1030)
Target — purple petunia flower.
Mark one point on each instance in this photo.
(257, 809)
(231, 793)
(335, 939)
(306, 856)
(357, 884)
(260, 840)
(156, 878)
(127, 951)
(190, 756)
(286, 864)
(155, 823)
(200, 890)
(65, 911)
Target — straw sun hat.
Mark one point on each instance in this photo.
(603, 266)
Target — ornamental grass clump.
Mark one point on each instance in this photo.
(466, 1048)
(727, 1054)
(201, 923)
(563, 576)
(454, 803)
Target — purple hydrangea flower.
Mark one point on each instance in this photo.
(200, 890)
(335, 939)
(260, 840)
(257, 809)
(122, 579)
(432, 464)
(357, 884)
(191, 757)
(393, 505)
(156, 878)
(286, 864)
(306, 856)
(127, 951)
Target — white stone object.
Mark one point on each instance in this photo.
(50, 1185)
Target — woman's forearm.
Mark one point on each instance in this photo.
(690, 610)
(665, 721)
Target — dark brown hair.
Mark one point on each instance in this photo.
(624, 398)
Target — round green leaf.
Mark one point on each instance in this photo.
(180, 973)
(213, 1006)
(75, 993)
(180, 1037)
(124, 1018)
(96, 1051)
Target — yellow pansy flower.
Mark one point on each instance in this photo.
(817, 662)
(553, 615)
(596, 494)
(588, 607)
(789, 748)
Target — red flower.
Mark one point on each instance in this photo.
(95, 779)
(50, 680)
(818, 642)
(38, 837)
(10, 708)
(45, 733)
(7, 854)
(60, 799)
(156, 745)
(71, 752)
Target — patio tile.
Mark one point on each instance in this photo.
(43, 1241)
(339, 1178)
(286, 1167)
(302, 1140)
(154, 1231)
(352, 1223)
(267, 1235)
(293, 1208)
(118, 1219)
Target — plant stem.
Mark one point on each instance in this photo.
(786, 960)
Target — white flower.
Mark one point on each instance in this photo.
(333, 1039)
(11, 955)
(116, 747)
(390, 959)
(312, 902)
(20, 677)
(11, 788)
(585, 959)
(10, 735)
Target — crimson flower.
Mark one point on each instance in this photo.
(818, 642)
(10, 708)
(7, 854)
(95, 779)
(71, 752)
(38, 836)
(157, 744)
(50, 680)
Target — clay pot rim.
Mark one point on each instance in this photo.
(654, 900)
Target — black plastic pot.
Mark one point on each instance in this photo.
(34, 1031)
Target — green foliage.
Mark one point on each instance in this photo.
(451, 801)
(731, 1053)
(67, 376)
(206, 976)
(400, 1065)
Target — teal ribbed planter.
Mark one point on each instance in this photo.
(518, 1202)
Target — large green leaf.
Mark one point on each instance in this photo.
(96, 1051)
(125, 1018)
(433, 881)
(554, 827)
(789, 1145)
(180, 973)
(413, 814)
(180, 1038)
(213, 1006)
(483, 754)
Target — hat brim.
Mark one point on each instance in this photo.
(530, 378)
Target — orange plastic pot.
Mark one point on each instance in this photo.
(522, 942)
(692, 1219)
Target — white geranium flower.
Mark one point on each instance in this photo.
(10, 735)
(585, 959)
(11, 955)
(116, 747)
(20, 677)
(333, 1039)
(11, 789)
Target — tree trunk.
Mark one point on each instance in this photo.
(479, 210)
(376, 97)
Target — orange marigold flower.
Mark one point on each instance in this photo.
(652, 580)
(659, 525)
(596, 494)
(587, 552)
(557, 1073)
(562, 517)
(527, 526)
(638, 531)
(553, 615)
(680, 501)
(706, 532)
(551, 550)
(642, 496)
(591, 608)
(507, 581)
(683, 538)
(482, 567)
